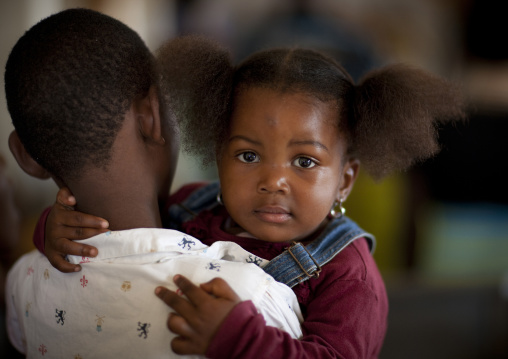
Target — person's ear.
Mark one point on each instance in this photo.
(148, 116)
(349, 175)
(25, 161)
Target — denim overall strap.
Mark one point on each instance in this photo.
(199, 200)
(299, 263)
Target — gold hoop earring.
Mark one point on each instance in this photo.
(337, 210)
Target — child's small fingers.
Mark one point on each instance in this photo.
(183, 346)
(63, 245)
(167, 296)
(80, 219)
(161, 292)
(88, 251)
(80, 233)
(65, 197)
(178, 325)
(62, 265)
(175, 301)
(219, 288)
(194, 293)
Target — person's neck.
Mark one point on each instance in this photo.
(125, 203)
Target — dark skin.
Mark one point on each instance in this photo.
(197, 319)
(128, 198)
(140, 145)
(64, 223)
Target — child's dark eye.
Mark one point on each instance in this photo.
(248, 157)
(304, 162)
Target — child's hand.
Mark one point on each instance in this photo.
(64, 225)
(197, 319)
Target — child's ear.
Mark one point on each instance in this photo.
(25, 161)
(349, 175)
(148, 116)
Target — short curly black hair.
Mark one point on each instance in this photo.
(390, 118)
(69, 81)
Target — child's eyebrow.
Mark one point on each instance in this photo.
(291, 143)
(244, 138)
(308, 142)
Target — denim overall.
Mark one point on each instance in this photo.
(298, 263)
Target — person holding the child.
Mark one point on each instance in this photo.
(85, 99)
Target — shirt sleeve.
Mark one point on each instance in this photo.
(245, 335)
(344, 319)
(40, 229)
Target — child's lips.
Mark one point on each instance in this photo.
(273, 214)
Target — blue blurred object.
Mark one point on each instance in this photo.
(464, 243)
(304, 28)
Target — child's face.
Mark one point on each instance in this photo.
(282, 166)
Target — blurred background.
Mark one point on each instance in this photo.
(442, 227)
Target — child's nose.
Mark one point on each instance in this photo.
(273, 179)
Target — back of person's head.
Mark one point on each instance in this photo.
(390, 118)
(69, 81)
